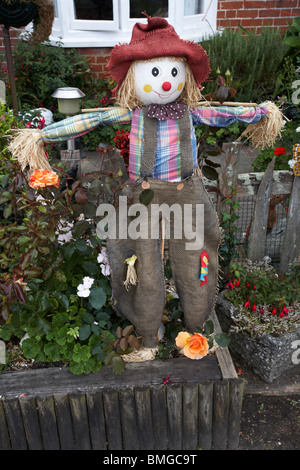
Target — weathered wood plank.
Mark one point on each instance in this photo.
(61, 380)
(159, 417)
(248, 183)
(15, 426)
(112, 419)
(31, 423)
(80, 421)
(258, 231)
(290, 252)
(174, 407)
(4, 436)
(223, 355)
(236, 388)
(220, 415)
(144, 417)
(64, 421)
(190, 416)
(228, 174)
(129, 419)
(94, 402)
(205, 415)
(48, 423)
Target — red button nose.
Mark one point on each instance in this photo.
(166, 86)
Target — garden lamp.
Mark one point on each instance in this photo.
(68, 103)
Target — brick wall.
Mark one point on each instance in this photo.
(254, 15)
(231, 13)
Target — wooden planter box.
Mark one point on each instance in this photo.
(53, 409)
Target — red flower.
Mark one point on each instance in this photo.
(254, 308)
(237, 283)
(247, 304)
(279, 151)
(274, 311)
(254, 287)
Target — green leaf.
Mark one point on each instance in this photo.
(117, 365)
(91, 268)
(84, 332)
(23, 240)
(97, 297)
(109, 357)
(30, 348)
(81, 353)
(146, 196)
(80, 228)
(209, 327)
(51, 351)
(293, 41)
(8, 211)
(88, 318)
(222, 339)
(209, 173)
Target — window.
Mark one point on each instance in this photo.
(104, 23)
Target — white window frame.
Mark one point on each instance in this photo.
(89, 33)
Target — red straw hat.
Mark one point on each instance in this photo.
(157, 39)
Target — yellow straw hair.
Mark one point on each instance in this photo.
(267, 130)
(25, 149)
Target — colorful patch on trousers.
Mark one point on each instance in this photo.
(204, 258)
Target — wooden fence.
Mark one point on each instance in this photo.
(260, 187)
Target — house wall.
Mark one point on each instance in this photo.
(231, 13)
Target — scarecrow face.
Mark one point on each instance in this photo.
(160, 81)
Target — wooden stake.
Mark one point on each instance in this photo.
(163, 234)
(226, 103)
(201, 103)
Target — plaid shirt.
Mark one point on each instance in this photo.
(168, 156)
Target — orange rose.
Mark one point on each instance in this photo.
(43, 178)
(194, 346)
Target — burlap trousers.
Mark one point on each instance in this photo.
(144, 303)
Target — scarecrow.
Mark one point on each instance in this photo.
(159, 79)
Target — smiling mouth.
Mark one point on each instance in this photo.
(164, 96)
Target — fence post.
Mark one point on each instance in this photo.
(258, 231)
(291, 245)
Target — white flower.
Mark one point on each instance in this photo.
(298, 129)
(83, 290)
(291, 163)
(88, 282)
(102, 259)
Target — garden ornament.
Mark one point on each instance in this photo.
(159, 78)
(18, 13)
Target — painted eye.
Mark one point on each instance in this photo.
(156, 71)
(174, 71)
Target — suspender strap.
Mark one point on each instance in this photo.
(150, 145)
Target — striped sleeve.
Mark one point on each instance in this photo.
(79, 125)
(222, 116)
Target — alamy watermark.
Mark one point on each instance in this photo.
(138, 221)
(296, 354)
(2, 352)
(296, 94)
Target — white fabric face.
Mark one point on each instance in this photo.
(161, 81)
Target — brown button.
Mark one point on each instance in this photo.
(145, 185)
(180, 186)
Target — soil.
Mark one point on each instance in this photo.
(270, 412)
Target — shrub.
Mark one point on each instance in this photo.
(41, 69)
(252, 60)
(54, 278)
